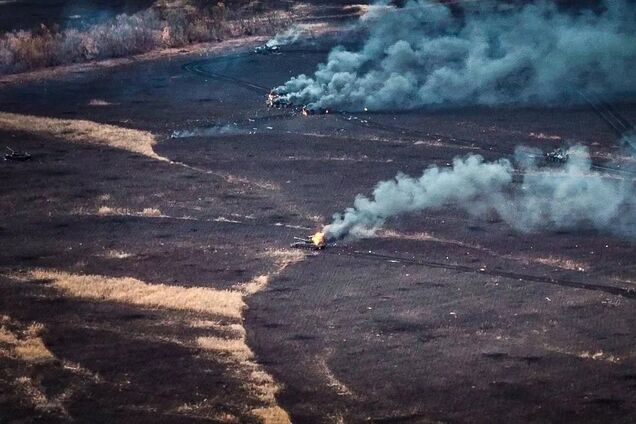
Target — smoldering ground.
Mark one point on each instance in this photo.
(425, 55)
(567, 197)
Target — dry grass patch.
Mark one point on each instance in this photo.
(562, 263)
(132, 291)
(226, 305)
(99, 102)
(81, 131)
(23, 344)
(31, 391)
(272, 415)
(117, 254)
(237, 349)
(598, 355)
(151, 212)
(114, 211)
(232, 330)
(255, 285)
(285, 257)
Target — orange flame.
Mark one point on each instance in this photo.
(318, 240)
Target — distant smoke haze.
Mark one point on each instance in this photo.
(289, 36)
(568, 197)
(423, 55)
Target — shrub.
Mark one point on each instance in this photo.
(126, 35)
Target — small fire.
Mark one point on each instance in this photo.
(319, 240)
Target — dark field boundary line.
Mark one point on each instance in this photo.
(613, 290)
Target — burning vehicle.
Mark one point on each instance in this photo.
(275, 100)
(558, 156)
(316, 241)
(267, 49)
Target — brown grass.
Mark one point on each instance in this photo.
(237, 349)
(132, 291)
(169, 24)
(146, 212)
(230, 347)
(254, 286)
(117, 254)
(23, 344)
(81, 131)
(99, 103)
(563, 263)
(272, 415)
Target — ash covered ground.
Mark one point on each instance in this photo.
(441, 317)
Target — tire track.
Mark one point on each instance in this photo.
(627, 293)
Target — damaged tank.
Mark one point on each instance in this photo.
(316, 241)
(275, 100)
(558, 156)
(265, 49)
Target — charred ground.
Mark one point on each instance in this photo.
(441, 318)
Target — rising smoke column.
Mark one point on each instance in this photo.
(422, 55)
(547, 198)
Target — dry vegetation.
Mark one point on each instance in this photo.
(21, 346)
(24, 344)
(81, 131)
(220, 311)
(168, 24)
(146, 212)
(135, 292)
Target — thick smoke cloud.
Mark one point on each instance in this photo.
(423, 55)
(548, 198)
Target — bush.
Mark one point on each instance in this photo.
(125, 35)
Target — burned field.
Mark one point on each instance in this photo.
(159, 274)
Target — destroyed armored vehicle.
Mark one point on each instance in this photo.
(16, 156)
(277, 101)
(558, 156)
(265, 49)
(317, 241)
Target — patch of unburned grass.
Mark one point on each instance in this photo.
(146, 212)
(82, 131)
(132, 291)
(237, 349)
(24, 344)
(227, 344)
(117, 254)
(563, 263)
(272, 415)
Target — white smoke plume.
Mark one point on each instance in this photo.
(289, 36)
(629, 142)
(567, 197)
(424, 55)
